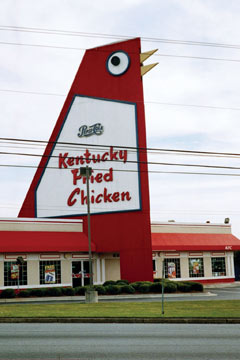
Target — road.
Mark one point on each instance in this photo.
(119, 341)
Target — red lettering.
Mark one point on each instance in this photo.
(98, 200)
(115, 196)
(61, 161)
(76, 177)
(104, 156)
(99, 177)
(92, 197)
(106, 196)
(92, 178)
(87, 154)
(70, 161)
(83, 198)
(70, 200)
(113, 154)
(79, 160)
(125, 195)
(108, 176)
(96, 158)
(123, 155)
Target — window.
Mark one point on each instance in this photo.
(50, 272)
(154, 264)
(14, 274)
(218, 266)
(196, 268)
(172, 268)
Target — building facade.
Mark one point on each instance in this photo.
(55, 253)
(194, 252)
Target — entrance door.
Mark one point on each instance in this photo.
(80, 273)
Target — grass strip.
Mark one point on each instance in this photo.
(220, 308)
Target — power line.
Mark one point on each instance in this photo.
(156, 54)
(146, 102)
(84, 159)
(182, 151)
(111, 36)
(42, 46)
(33, 92)
(197, 57)
(119, 170)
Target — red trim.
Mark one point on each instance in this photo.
(214, 280)
(14, 256)
(49, 256)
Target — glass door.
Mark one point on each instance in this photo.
(80, 273)
(86, 278)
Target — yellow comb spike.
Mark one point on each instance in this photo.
(144, 56)
(146, 68)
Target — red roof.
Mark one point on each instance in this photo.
(199, 242)
(41, 241)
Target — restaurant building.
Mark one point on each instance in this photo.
(55, 253)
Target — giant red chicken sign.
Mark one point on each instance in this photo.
(102, 125)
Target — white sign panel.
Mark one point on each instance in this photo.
(101, 134)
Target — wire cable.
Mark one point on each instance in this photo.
(84, 159)
(126, 171)
(156, 54)
(111, 36)
(145, 102)
(182, 151)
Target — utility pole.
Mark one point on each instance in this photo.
(91, 295)
(163, 276)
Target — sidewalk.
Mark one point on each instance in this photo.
(101, 297)
(222, 285)
(121, 297)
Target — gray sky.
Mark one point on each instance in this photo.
(191, 103)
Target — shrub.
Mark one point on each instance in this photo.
(144, 288)
(156, 287)
(52, 291)
(8, 294)
(122, 282)
(68, 291)
(136, 285)
(157, 279)
(113, 289)
(183, 286)
(128, 289)
(170, 286)
(38, 292)
(109, 282)
(195, 286)
(25, 293)
(100, 289)
(80, 290)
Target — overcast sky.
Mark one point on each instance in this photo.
(191, 97)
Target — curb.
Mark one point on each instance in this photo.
(100, 297)
(118, 320)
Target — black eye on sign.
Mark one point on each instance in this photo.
(118, 63)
